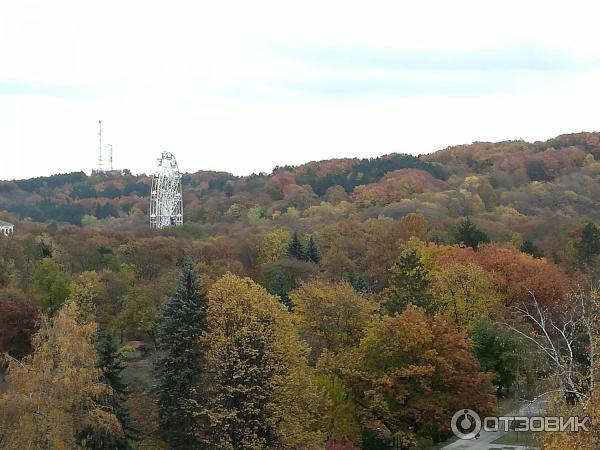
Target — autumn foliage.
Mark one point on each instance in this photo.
(349, 303)
(414, 372)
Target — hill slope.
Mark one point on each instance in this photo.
(533, 189)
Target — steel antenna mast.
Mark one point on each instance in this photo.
(99, 146)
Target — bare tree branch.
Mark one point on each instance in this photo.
(554, 334)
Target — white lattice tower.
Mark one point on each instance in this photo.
(166, 206)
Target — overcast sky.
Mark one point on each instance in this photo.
(243, 86)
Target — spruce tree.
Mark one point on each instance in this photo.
(312, 252)
(280, 287)
(408, 284)
(468, 234)
(111, 364)
(358, 283)
(296, 249)
(589, 244)
(531, 249)
(180, 368)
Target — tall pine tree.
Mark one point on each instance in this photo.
(312, 252)
(281, 287)
(588, 246)
(111, 364)
(358, 283)
(295, 249)
(180, 369)
(531, 249)
(408, 283)
(468, 234)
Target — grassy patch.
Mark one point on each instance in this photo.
(139, 373)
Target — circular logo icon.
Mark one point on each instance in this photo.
(466, 424)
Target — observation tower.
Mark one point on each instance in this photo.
(166, 207)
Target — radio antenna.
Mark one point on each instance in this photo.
(100, 146)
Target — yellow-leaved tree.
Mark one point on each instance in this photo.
(55, 398)
(464, 293)
(261, 393)
(86, 292)
(330, 316)
(272, 244)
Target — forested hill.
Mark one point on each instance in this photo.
(507, 188)
(320, 295)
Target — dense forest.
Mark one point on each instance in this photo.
(341, 304)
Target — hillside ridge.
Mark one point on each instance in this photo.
(508, 188)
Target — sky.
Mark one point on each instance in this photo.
(244, 86)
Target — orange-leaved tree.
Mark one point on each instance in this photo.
(412, 372)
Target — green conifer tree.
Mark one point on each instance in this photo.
(468, 234)
(312, 252)
(408, 283)
(358, 283)
(296, 249)
(589, 244)
(111, 364)
(180, 369)
(280, 287)
(531, 249)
